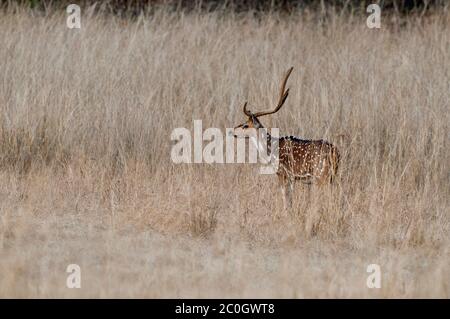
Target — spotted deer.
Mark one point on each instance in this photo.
(309, 161)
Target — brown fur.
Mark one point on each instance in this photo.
(306, 160)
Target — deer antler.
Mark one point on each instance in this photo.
(283, 96)
(246, 112)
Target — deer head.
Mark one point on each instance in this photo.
(245, 129)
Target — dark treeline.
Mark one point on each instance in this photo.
(136, 6)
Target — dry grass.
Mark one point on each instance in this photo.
(86, 175)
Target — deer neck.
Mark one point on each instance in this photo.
(259, 138)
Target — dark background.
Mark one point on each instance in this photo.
(134, 7)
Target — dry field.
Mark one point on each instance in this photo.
(86, 174)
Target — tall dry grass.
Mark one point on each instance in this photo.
(86, 175)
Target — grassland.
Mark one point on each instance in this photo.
(86, 175)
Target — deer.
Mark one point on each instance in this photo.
(312, 162)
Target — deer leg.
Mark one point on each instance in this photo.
(283, 187)
(285, 192)
(289, 189)
(308, 194)
(286, 186)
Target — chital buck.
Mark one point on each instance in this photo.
(310, 161)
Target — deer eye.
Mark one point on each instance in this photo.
(245, 126)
